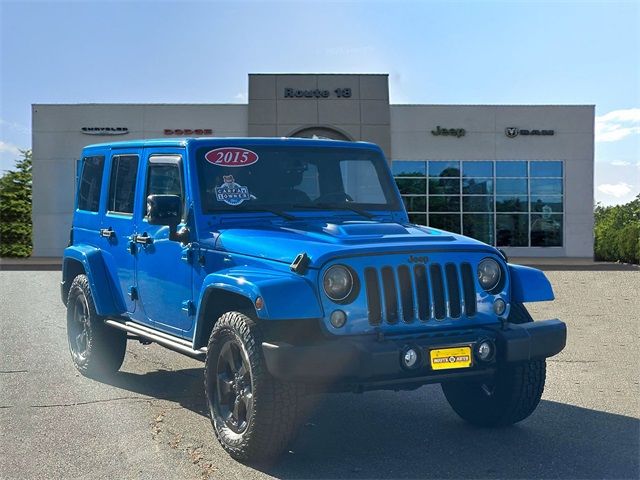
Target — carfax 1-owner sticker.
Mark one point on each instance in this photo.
(231, 193)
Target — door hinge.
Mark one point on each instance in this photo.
(189, 308)
(133, 293)
(187, 255)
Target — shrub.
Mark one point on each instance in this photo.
(617, 232)
(15, 209)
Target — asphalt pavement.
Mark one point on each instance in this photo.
(149, 420)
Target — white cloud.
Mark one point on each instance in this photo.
(618, 124)
(9, 153)
(242, 97)
(620, 163)
(7, 148)
(617, 190)
(14, 126)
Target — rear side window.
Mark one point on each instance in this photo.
(122, 186)
(90, 183)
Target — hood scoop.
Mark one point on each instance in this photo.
(348, 229)
(372, 231)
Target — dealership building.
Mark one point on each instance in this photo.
(516, 176)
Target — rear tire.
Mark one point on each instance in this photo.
(96, 349)
(512, 396)
(253, 414)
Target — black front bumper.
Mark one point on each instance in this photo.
(376, 362)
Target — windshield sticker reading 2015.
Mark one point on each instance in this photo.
(231, 157)
(231, 192)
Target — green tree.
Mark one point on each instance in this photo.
(617, 232)
(15, 208)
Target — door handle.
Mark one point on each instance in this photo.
(144, 239)
(107, 232)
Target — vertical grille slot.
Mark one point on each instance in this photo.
(422, 292)
(437, 288)
(406, 293)
(373, 295)
(453, 288)
(468, 290)
(390, 295)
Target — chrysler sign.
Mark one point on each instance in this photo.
(513, 132)
(104, 130)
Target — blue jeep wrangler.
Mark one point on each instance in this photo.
(289, 266)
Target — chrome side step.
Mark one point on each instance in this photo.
(169, 341)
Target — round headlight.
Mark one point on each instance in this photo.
(338, 283)
(489, 273)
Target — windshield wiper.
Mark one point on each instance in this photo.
(280, 213)
(340, 206)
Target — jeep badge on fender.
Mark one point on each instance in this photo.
(268, 260)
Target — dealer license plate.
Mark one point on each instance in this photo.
(446, 358)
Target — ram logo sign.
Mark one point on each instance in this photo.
(512, 132)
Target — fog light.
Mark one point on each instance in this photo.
(485, 351)
(338, 318)
(499, 306)
(410, 358)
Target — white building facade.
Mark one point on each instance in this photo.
(518, 177)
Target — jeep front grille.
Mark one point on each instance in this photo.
(417, 293)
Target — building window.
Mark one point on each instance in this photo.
(514, 203)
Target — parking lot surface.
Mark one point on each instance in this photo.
(149, 420)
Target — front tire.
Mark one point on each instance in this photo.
(511, 397)
(253, 414)
(96, 349)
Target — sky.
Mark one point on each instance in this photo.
(467, 52)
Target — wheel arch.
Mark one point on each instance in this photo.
(84, 259)
(285, 296)
(71, 268)
(216, 301)
(529, 285)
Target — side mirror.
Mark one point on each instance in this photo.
(164, 210)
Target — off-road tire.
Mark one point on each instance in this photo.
(275, 408)
(105, 346)
(515, 394)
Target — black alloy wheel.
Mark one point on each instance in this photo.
(78, 326)
(233, 399)
(96, 349)
(254, 415)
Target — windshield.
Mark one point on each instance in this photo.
(294, 178)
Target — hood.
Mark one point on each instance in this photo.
(322, 240)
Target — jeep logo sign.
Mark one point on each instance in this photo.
(418, 259)
(451, 132)
(513, 132)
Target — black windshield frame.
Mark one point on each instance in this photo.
(325, 159)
